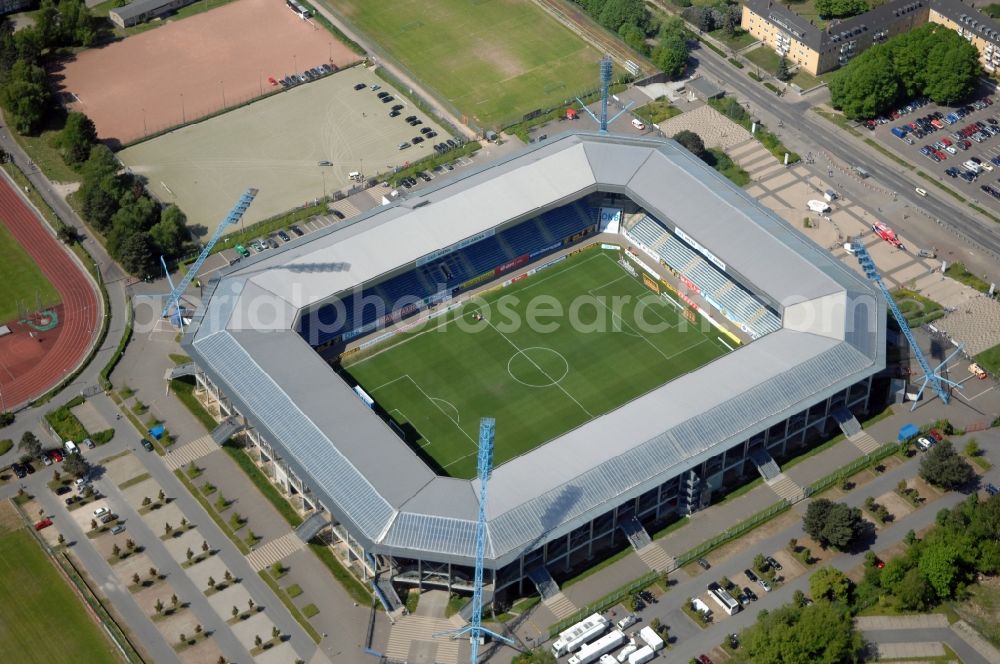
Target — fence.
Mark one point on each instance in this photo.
(603, 603)
(846, 471)
(734, 532)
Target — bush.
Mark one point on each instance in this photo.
(65, 423)
(5, 445)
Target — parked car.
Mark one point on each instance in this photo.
(627, 622)
(879, 563)
(63, 490)
(703, 563)
(117, 530)
(359, 86)
(55, 455)
(44, 523)
(101, 511)
(750, 575)
(764, 584)
(46, 460)
(89, 443)
(925, 442)
(242, 251)
(992, 490)
(284, 236)
(775, 565)
(71, 500)
(295, 229)
(147, 444)
(749, 594)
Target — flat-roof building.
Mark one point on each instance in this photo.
(819, 50)
(140, 11)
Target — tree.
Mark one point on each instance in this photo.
(831, 584)
(671, 55)
(136, 579)
(867, 86)
(93, 524)
(130, 544)
(146, 501)
(228, 576)
(913, 592)
(153, 573)
(617, 13)
(821, 633)
(257, 641)
(943, 467)
(174, 601)
(972, 448)
(76, 465)
(167, 528)
(952, 65)
(76, 139)
(275, 632)
(691, 141)
(30, 445)
(189, 554)
(235, 611)
(815, 518)
(204, 546)
(793, 545)
(840, 8)
(782, 73)
(25, 96)
(161, 496)
(731, 20)
(211, 582)
(938, 563)
(61, 539)
(159, 605)
(171, 231)
(136, 254)
(843, 525)
(116, 551)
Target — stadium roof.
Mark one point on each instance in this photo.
(832, 337)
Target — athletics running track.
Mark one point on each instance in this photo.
(80, 310)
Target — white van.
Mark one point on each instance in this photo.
(354, 175)
(818, 206)
(638, 124)
(71, 447)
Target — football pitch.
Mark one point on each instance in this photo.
(25, 286)
(551, 352)
(494, 60)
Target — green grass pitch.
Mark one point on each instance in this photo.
(614, 341)
(494, 60)
(41, 620)
(23, 281)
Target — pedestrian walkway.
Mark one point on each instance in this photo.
(913, 649)
(659, 560)
(965, 632)
(786, 488)
(921, 621)
(560, 606)
(864, 442)
(278, 549)
(185, 454)
(416, 633)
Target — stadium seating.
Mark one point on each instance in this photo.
(453, 269)
(739, 306)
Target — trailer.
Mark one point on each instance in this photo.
(652, 639)
(626, 651)
(641, 656)
(592, 651)
(572, 638)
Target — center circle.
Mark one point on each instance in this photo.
(537, 366)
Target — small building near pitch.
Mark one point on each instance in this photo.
(141, 11)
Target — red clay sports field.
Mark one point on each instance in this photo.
(185, 69)
(33, 361)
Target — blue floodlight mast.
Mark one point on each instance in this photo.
(931, 376)
(603, 121)
(475, 629)
(174, 299)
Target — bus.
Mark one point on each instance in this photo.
(299, 10)
(724, 599)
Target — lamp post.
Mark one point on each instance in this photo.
(145, 132)
(295, 64)
(183, 114)
(222, 84)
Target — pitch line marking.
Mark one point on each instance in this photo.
(563, 389)
(434, 402)
(524, 353)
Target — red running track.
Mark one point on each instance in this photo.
(80, 310)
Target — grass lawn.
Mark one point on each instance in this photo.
(958, 272)
(721, 162)
(807, 10)
(494, 61)
(23, 281)
(539, 376)
(989, 359)
(740, 39)
(917, 308)
(657, 111)
(34, 598)
(764, 58)
(183, 388)
(805, 80)
(42, 151)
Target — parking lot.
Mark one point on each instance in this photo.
(947, 142)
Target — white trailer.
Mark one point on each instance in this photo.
(652, 639)
(608, 659)
(626, 651)
(641, 656)
(592, 651)
(574, 637)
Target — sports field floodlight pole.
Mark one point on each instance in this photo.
(931, 377)
(603, 121)
(174, 299)
(475, 629)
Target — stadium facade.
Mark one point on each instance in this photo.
(813, 331)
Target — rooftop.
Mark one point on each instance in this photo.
(833, 336)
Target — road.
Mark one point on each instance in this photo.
(805, 131)
(966, 653)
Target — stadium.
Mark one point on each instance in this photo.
(709, 338)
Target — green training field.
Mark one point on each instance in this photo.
(614, 341)
(22, 280)
(494, 60)
(41, 620)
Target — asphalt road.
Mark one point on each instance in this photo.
(966, 653)
(814, 133)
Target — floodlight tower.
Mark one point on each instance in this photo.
(606, 66)
(475, 629)
(174, 299)
(931, 377)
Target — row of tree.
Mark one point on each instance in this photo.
(137, 229)
(632, 22)
(23, 88)
(840, 8)
(932, 61)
